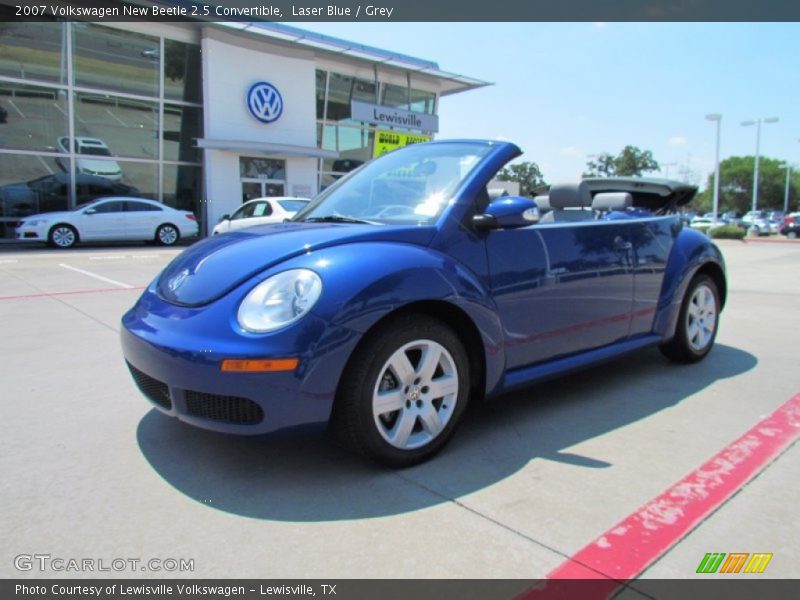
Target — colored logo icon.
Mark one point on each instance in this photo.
(265, 102)
(715, 562)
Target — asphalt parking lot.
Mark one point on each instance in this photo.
(90, 471)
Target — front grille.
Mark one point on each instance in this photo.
(155, 390)
(227, 409)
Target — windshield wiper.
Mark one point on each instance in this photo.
(337, 219)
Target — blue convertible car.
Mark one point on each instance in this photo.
(409, 288)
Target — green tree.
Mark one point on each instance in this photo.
(736, 191)
(527, 174)
(631, 161)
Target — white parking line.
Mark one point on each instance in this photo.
(96, 276)
(113, 257)
(46, 166)
(8, 260)
(113, 116)
(61, 110)
(16, 108)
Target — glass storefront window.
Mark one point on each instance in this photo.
(353, 143)
(422, 101)
(31, 117)
(182, 126)
(33, 50)
(183, 188)
(141, 179)
(395, 95)
(30, 185)
(127, 127)
(344, 88)
(116, 60)
(261, 168)
(322, 77)
(182, 72)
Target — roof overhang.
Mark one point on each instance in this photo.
(266, 148)
(450, 83)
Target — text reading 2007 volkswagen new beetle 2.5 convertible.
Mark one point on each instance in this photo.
(406, 289)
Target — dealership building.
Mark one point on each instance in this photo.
(200, 116)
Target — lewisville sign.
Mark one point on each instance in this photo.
(389, 116)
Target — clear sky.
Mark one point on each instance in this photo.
(563, 91)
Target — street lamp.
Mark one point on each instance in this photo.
(718, 118)
(757, 123)
(668, 165)
(788, 168)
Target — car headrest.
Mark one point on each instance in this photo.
(570, 195)
(543, 202)
(606, 201)
(495, 193)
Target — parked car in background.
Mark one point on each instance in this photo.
(757, 222)
(261, 211)
(86, 146)
(790, 227)
(405, 292)
(114, 218)
(706, 222)
(732, 217)
(50, 193)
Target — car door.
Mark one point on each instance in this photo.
(241, 218)
(561, 288)
(141, 219)
(104, 220)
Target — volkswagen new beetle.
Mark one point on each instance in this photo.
(409, 288)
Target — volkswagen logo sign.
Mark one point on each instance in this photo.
(174, 283)
(265, 102)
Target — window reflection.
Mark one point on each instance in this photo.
(128, 127)
(116, 60)
(182, 126)
(342, 89)
(31, 117)
(32, 51)
(182, 72)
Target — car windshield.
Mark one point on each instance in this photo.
(409, 186)
(293, 205)
(95, 150)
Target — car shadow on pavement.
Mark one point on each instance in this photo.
(307, 477)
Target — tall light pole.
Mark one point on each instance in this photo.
(788, 168)
(757, 123)
(718, 118)
(668, 165)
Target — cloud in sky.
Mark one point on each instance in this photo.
(678, 140)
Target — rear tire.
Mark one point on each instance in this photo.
(167, 235)
(62, 236)
(697, 323)
(403, 392)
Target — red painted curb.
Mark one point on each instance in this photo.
(627, 549)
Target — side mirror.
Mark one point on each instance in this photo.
(224, 218)
(89, 211)
(507, 213)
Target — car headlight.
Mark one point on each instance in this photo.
(32, 223)
(280, 300)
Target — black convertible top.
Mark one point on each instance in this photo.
(658, 195)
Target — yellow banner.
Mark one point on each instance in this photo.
(386, 141)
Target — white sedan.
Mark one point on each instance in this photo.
(261, 211)
(87, 148)
(112, 218)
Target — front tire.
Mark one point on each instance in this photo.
(697, 323)
(167, 235)
(62, 236)
(403, 392)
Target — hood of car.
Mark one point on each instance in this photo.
(49, 216)
(210, 269)
(657, 195)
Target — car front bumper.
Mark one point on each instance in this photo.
(28, 233)
(175, 353)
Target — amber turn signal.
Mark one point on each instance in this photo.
(256, 365)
